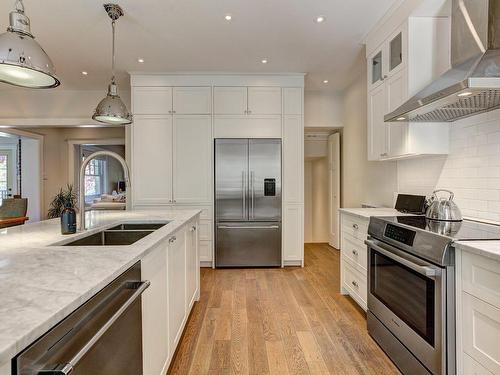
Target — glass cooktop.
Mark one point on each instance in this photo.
(458, 230)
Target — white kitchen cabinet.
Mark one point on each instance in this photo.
(264, 100)
(192, 100)
(293, 158)
(353, 257)
(192, 265)
(230, 100)
(247, 100)
(293, 101)
(176, 259)
(293, 234)
(155, 311)
(151, 100)
(192, 171)
(409, 59)
(255, 126)
(377, 136)
(472, 367)
(152, 160)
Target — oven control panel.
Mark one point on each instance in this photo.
(403, 235)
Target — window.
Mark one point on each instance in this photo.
(95, 176)
(4, 163)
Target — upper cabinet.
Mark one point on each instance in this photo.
(247, 100)
(388, 59)
(404, 63)
(172, 100)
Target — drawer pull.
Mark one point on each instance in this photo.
(355, 226)
(354, 283)
(355, 252)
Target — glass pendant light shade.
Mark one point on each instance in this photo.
(111, 110)
(23, 62)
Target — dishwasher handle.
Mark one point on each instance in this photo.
(67, 368)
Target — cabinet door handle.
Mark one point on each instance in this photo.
(355, 226)
(354, 283)
(249, 112)
(193, 228)
(384, 154)
(355, 252)
(170, 112)
(172, 239)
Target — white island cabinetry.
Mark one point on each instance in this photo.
(172, 268)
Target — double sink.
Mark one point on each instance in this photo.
(119, 235)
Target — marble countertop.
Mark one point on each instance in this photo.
(367, 212)
(487, 248)
(41, 284)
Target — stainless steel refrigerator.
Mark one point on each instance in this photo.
(248, 202)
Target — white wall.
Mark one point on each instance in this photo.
(471, 170)
(322, 109)
(362, 181)
(30, 171)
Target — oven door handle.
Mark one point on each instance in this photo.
(423, 270)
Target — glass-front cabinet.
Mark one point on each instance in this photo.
(396, 51)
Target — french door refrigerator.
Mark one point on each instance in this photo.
(248, 202)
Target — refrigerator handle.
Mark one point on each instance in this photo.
(253, 194)
(244, 191)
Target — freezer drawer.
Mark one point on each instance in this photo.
(248, 244)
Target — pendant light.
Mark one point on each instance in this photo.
(111, 110)
(22, 61)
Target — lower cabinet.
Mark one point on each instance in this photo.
(173, 269)
(293, 235)
(353, 258)
(478, 322)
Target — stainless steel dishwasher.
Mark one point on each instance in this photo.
(102, 337)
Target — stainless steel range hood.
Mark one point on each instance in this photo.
(472, 85)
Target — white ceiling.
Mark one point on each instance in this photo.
(192, 35)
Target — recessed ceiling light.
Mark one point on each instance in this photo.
(228, 17)
(325, 81)
(140, 60)
(320, 19)
(85, 73)
(264, 61)
(401, 118)
(467, 93)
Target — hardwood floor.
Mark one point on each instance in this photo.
(278, 321)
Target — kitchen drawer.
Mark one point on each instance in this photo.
(354, 249)
(354, 226)
(206, 251)
(481, 331)
(355, 283)
(471, 367)
(481, 277)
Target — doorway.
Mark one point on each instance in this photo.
(322, 187)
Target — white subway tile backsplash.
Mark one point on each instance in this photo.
(471, 170)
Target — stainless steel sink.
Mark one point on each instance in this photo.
(139, 226)
(111, 238)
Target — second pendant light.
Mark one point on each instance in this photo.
(111, 110)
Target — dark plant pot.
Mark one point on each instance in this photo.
(68, 221)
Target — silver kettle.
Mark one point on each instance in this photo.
(444, 209)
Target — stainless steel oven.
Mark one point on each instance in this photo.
(410, 301)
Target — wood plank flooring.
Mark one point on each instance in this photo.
(278, 321)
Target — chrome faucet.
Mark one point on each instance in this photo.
(81, 190)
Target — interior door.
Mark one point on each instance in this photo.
(231, 179)
(264, 164)
(7, 167)
(334, 188)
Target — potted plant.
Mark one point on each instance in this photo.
(64, 206)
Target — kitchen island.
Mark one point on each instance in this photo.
(44, 281)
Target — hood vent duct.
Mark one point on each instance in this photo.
(472, 85)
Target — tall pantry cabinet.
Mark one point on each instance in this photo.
(177, 118)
